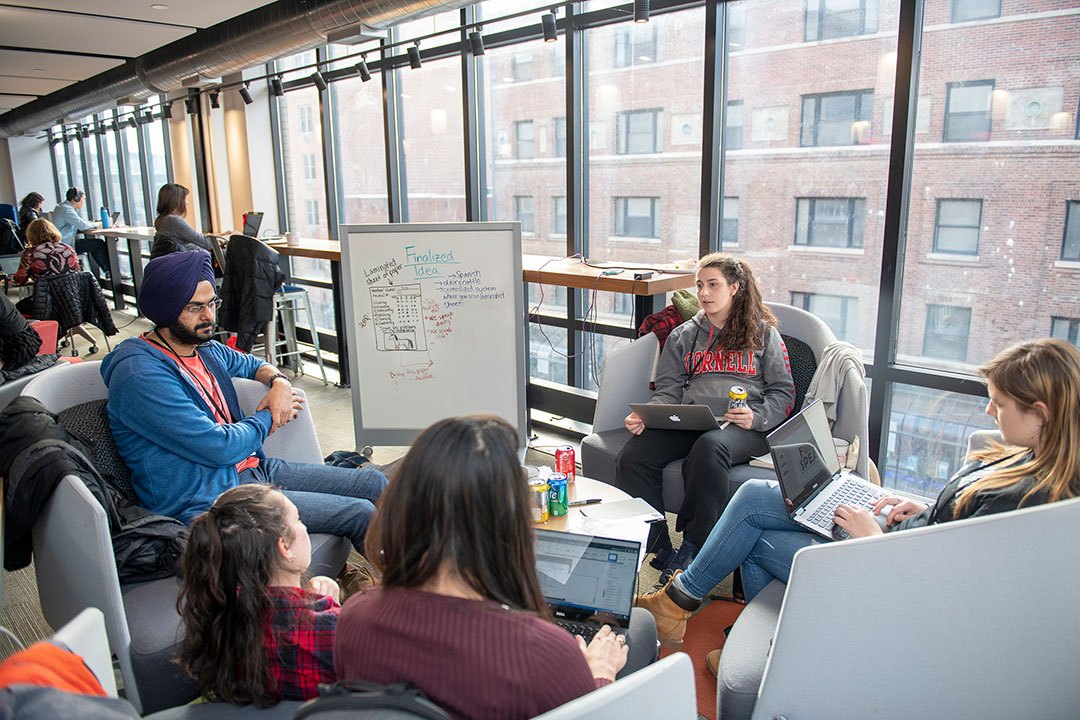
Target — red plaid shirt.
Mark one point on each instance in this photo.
(299, 628)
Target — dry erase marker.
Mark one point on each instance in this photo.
(590, 501)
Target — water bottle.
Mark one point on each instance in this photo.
(104, 217)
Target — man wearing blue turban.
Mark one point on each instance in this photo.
(178, 425)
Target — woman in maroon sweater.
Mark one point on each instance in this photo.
(460, 613)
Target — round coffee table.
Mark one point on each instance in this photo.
(582, 489)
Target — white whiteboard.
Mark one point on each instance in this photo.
(435, 324)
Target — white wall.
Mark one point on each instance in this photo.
(261, 155)
(32, 167)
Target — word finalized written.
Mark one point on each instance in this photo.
(428, 263)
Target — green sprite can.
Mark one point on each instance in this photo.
(558, 500)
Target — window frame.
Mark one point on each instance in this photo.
(624, 133)
(521, 213)
(849, 305)
(823, 16)
(1072, 222)
(629, 48)
(938, 225)
(305, 119)
(623, 217)
(555, 215)
(725, 219)
(854, 214)
(931, 308)
(1072, 330)
(734, 134)
(956, 5)
(862, 96)
(521, 142)
(950, 115)
(558, 142)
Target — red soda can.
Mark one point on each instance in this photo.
(565, 463)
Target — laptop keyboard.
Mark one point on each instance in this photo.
(587, 631)
(850, 492)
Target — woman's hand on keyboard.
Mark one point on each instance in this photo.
(605, 655)
(856, 521)
(901, 510)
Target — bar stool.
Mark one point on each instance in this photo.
(289, 300)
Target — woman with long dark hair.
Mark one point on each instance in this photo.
(173, 230)
(1034, 390)
(732, 342)
(255, 633)
(460, 613)
(29, 210)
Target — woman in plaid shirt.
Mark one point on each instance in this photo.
(242, 570)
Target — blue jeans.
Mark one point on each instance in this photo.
(332, 500)
(754, 533)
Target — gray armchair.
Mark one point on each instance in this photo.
(625, 379)
(76, 568)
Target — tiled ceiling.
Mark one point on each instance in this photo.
(46, 45)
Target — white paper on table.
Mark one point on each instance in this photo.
(620, 529)
(633, 509)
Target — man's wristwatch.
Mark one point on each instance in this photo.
(272, 378)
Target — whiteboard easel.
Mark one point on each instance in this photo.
(435, 324)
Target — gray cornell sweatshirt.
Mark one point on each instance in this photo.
(765, 373)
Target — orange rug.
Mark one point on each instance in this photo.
(704, 633)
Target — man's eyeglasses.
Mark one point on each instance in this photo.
(197, 308)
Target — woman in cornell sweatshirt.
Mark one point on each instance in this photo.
(732, 341)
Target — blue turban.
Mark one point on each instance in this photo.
(169, 283)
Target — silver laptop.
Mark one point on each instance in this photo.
(113, 217)
(810, 474)
(587, 581)
(662, 416)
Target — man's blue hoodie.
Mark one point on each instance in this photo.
(180, 457)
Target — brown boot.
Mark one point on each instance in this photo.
(712, 662)
(671, 608)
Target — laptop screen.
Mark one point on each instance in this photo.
(252, 223)
(113, 217)
(803, 453)
(584, 577)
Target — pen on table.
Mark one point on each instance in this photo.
(590, 501)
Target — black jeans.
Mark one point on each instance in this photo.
(708, 457)
(98, 251)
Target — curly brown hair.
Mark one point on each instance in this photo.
(42, 231)
(230, 556)
(749, 316)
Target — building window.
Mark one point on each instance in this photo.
(956, 228)
(733, 126)
(1067, 329)
(559, 146)
(829, 222)
(736, 26)
(558, 223)
(947, 328)
(622, 304)
(304, 115)
(523, 213)
(523, 139)
(637, 217)
(729, 225)
(836, 118)
(838, 311)
(827, 19)
(964, 10)
(635, 44)
(1070, 246)
(637, 131)
(558, 60)
(967, 111)
(521, 66)
(309, 166)
(311, 211)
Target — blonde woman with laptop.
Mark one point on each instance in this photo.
(732, 342)
(1034, 390)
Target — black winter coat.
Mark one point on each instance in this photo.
(19, 342)
(72, 299)
(247, 292)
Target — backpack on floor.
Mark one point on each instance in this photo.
(10, 244)
(346, 697)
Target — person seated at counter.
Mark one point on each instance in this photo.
(177, 422)
(29, 211)
(70, 222)
(173, 232)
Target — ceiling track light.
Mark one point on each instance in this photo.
(191, 104)
(547, 23)
(277, 89)
(245, 94)
(147, 118)
(215, 99)
(85, 131)
(641, 11)
(319, 80)
(414, 56)
(132, 122)
(476, 41)
(166, 111)
(363, 70)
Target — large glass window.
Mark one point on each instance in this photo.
(828, 19)
(830, 222)
(964, 10)
(112, 169)
(133, 166)
(74, 148)
(836, 118)
(947, 330)
(838, 311)
(157, 161)
(968, 111)
(60, 157)
(1070, 246)
(305, 187)
(528, 121)
(957, 228)
(361, 151)
(644, 138)
(93, 169)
